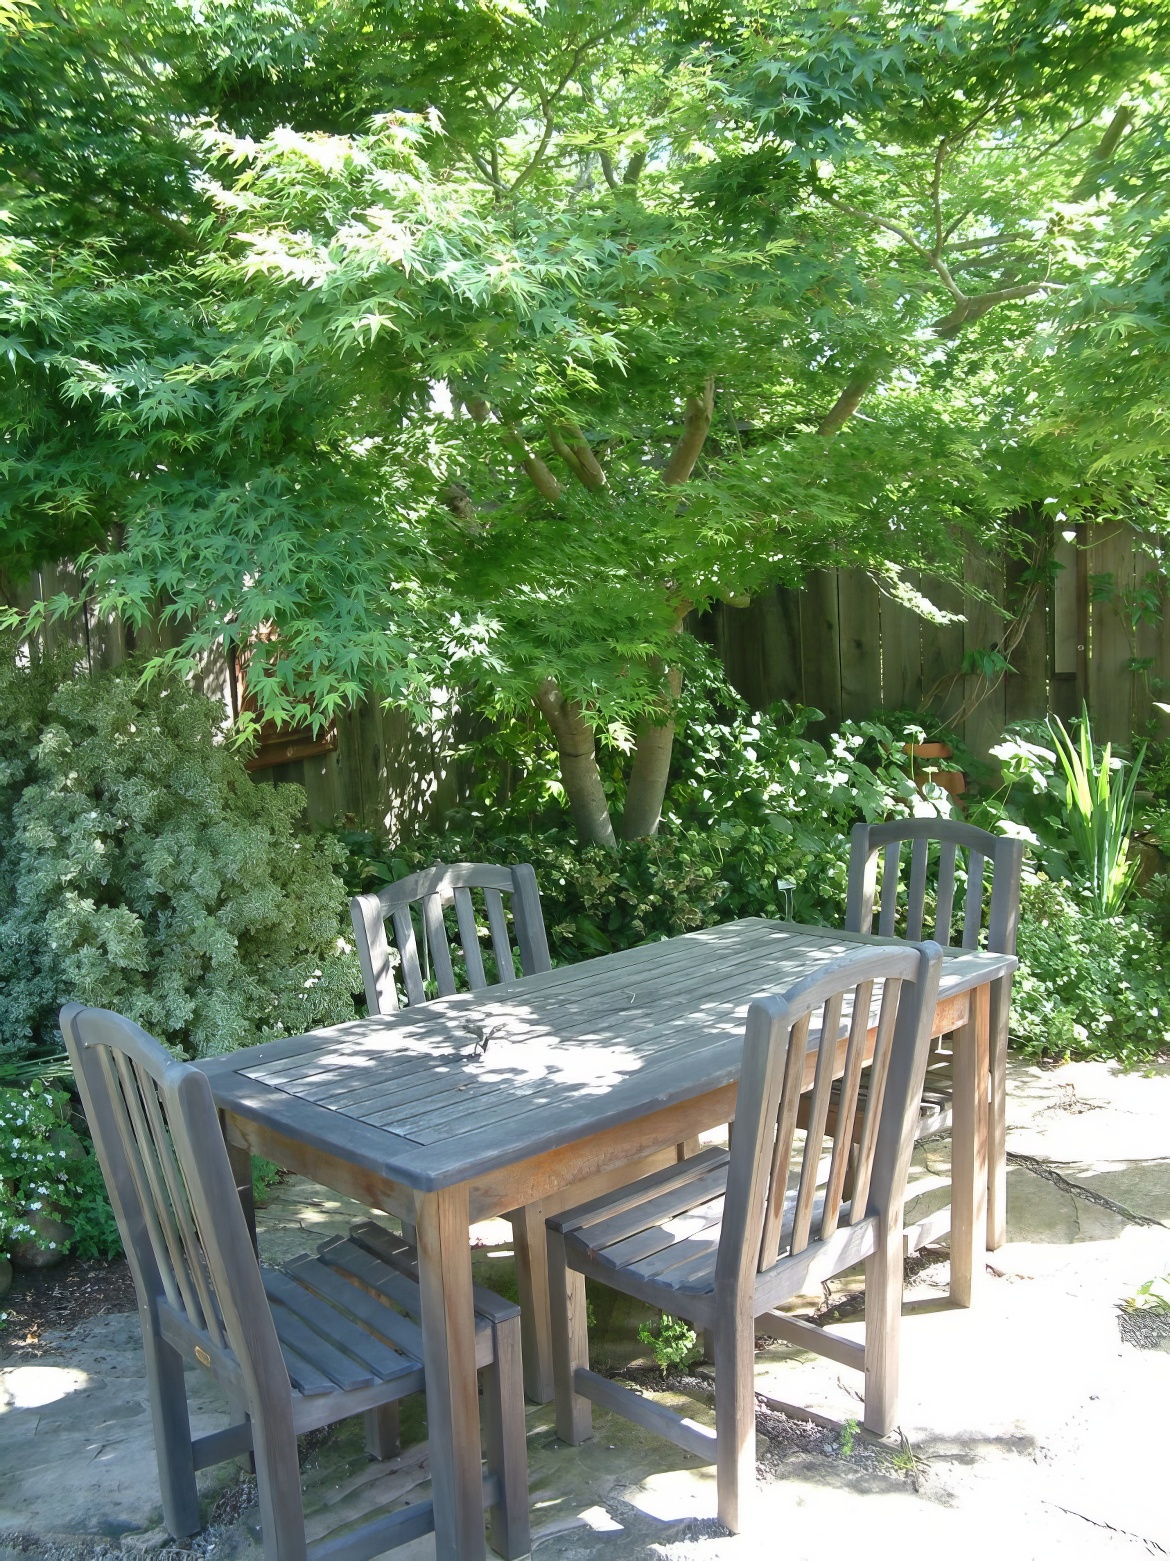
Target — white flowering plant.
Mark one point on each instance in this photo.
(47, 1175)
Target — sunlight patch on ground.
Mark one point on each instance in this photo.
(32, 1387)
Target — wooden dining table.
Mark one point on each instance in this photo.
(449, 1112)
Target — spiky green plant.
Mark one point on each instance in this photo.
(1099, 801)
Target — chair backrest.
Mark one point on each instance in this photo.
(944, 855)
(415, 907)
(781, 1198)
(166, 1167)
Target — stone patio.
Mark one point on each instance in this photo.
(1034, 1423)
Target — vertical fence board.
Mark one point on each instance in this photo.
(1110, 566)
(859, 615)
(820, 644)
(984, 631)
(1026, 688)
(942, 649)
(901, 654)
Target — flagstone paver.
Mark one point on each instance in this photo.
(1032, 1427)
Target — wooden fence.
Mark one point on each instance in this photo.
(376, 767)
(1089, 627)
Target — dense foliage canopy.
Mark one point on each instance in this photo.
(394, 328)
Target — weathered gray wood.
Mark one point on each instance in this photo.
(691, 1240)
(1006, 861)
(807, 1336)
(696, 1439)
(537, 1087)
(669, 1015)
(448, 1330)
(505, 1434)
(432, 891)
(531, 1256)
(294, 1348)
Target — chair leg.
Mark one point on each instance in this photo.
(969, 1152)
(278, 1484)
(505, 1438)
(570, 1343)
(529, 1243)
(172, 1433)
(1000, 1003)
(735, 1418)
(883, 1329)
(382, 1434)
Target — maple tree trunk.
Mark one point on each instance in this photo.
(650, 771)
(577, 755)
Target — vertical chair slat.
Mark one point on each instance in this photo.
(889, 901)
(846, 1108)
(818, 1115)
(778, 1174)
(501, 946)
(529, 921)
(155, 1190)
(180, 1201)
(469, 939)
(973, 906)
(436, 933)
(879, 1069)
(916, 898)
(945, 905)
(412, 978)
(125, 1130)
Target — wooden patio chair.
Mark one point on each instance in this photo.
(296, 1347)
(414, 907)
(910, 893)
(727, 1235)
(415, 911)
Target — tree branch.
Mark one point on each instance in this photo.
(542, 479)
(847, 402)
(609, 171)
(634, 168)
(696, 425)
(1102, 153)
(574, 449)
(972, 309)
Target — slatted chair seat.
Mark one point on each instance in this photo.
(724, 1237)
(665, 1235)
(318, 1339)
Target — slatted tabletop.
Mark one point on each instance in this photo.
(449, 1090)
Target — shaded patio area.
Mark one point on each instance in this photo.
(1030, 1424)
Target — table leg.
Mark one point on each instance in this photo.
(969, 1151)
(448, 1330)
(1001, 998)
(240, 1160)
(530, 1244)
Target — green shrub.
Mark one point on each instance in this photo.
(754, 803)
(1090, 984)
(142, 870)
(46, 1171)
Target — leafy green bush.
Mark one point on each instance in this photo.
(1090, 984)
(755, 803)
(47, 1173)
(142, 870)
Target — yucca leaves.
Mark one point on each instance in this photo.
(1099, 802)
